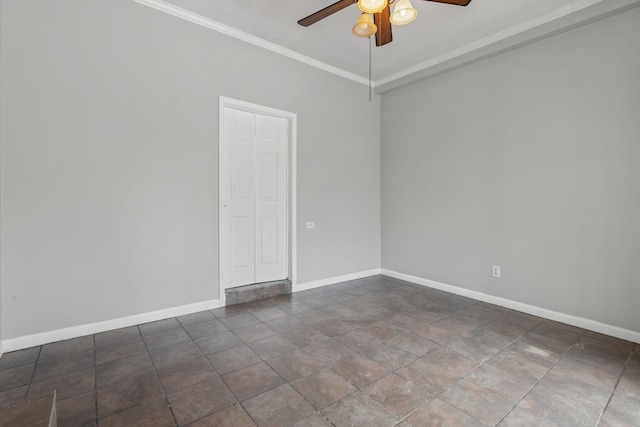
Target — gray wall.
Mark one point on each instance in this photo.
(109, 160)
(528, 160)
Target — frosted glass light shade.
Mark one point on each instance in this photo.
(372, 6)
(403, 13)
(364, 26)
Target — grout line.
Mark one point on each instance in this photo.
(155, 371)
(95, 379)
(542, 377)
(33, 374)
(615, 387)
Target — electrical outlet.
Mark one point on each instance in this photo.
(496, 271)
(311, 225)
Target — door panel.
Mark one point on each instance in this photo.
(253, 194)
(271, 198)
(237, 196)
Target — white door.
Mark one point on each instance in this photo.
(253, 190)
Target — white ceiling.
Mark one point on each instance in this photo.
(441, 32)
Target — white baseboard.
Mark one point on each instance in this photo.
(107, 325)
(1, 349)
(580, 322)
(333, 280)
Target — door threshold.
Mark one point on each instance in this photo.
(257, 291)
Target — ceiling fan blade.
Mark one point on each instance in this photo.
(323, 13)
(381, 19)
(455, 2)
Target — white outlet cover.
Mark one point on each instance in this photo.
(311, 225)
(496, 271)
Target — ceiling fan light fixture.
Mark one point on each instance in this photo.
(364, 26)
(372, 6)
(404, 13)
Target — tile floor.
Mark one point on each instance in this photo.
(369, 352)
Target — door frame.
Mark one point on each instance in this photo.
(291, 119)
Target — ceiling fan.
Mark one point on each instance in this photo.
(403, 13)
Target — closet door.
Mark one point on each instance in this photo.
(253, 193)
(271, 199)
(238, 198)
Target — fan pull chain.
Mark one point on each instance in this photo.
(369, 68)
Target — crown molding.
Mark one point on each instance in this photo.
(565, 18)
(203, 21)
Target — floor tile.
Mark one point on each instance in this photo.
(61, 364)
(436, 333)
(600, 354)
(117, 336)
(397, 394)
(176, 353)
(358, 340)
(77, 410)
(16, 377)
(271, 313)
(471, 348)
(295, 365)
(328, 352)
(524, 350)
(252, 380)
(595, 337)
(106, 354)
(200, 400)
(427, 376)
(601, 376)
(254, 332)
(240, 320)
(285, 324)
(383, 330)
(477, 402)
(150, 414)
(566, 402)
(441, 414)
(168, 338)
(628, 388)
(122, 369)
(507, 384)
(18, 358)
(13, 396)
(159, 326)
(305, 336)
(519, 417)
(390, 358)
(359, 410)
(412, 343)
(410, 351)
(281, 406)
(205, 329)
(323, 387)
(315, 420)
(218, 342)
(621, 412)
(190, 319)
(358, 370)
(185, 373)
(273, 346)
(517, 363)
(65, 386)
(333, 327)
(66, 347)
(233, 416)
(228, 311)
(233, 359)
(128, 393)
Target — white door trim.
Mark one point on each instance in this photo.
(291, 119)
